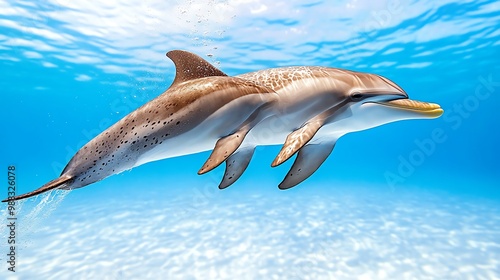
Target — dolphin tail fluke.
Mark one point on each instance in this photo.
(54, 184)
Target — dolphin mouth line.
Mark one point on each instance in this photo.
(426, 108)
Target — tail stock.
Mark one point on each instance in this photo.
(47, 187)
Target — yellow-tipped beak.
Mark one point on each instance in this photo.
(428, 109)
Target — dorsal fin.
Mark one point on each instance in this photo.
(189, 66)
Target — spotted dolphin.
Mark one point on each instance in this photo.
(306, 108)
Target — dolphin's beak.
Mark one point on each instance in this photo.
(430, 110)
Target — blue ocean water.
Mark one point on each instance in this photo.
(408, 200)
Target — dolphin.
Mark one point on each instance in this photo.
(306, 108)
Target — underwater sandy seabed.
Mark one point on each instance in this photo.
(341, 233)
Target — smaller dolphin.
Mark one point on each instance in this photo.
(306, 108)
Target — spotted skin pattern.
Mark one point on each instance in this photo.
(204, 109)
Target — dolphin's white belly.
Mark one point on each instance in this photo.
(271, 131)
(195, 141)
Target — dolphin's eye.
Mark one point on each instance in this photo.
(356, 96)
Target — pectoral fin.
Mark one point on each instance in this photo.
(300, 137)
(236, 165)
(224, 147)
(296, 140)
(227, 145)
(307, 162)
